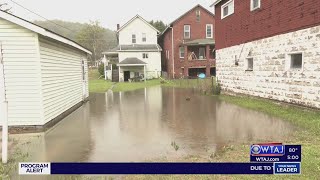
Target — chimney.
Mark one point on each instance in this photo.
(118, 27)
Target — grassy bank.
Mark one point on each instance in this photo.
(97, 85)
(126, 86)
(307, 134)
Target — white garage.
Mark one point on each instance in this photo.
(43, 76)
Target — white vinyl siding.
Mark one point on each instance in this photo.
(22, 75)
(62, 85)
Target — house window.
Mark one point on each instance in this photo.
(198, 15)
(296, 61)
(202, 53)
(227, 9)
(144, 37)
(209, 32)
(136, 74)
(187, 31)
(249, 64)
(181, 52)
(255, 4)
(167, 54)
(134, 39)
(145, 55)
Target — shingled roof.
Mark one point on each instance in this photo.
(132, 60)
(136, 47)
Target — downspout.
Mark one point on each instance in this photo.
(172, 54)
(4, 113)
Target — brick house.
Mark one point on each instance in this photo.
(193, 44)
(269, 49)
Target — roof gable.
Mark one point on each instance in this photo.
(40, 30)
(143, 20)
(180, 17)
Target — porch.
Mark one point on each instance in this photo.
(132, 69)
(196, 57)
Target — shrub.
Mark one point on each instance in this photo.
(101, 69)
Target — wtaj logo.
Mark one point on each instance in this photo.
(34, 168)
(267, 150)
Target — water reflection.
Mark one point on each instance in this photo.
(140, 125)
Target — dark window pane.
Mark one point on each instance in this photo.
(296, 61)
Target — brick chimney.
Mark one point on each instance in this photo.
(118, 27)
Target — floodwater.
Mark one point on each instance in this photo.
(141, 125)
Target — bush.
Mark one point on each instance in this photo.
(101, 69)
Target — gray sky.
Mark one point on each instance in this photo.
(109, 13)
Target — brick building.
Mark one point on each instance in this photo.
(269, 49)
(193, 44)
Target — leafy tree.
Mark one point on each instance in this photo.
(158, 25)
(92, 36)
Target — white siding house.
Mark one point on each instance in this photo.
(139, 54)
(44, 74)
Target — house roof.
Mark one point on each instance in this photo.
(132, 60)
(215, 3)
(200, 42)
(135, 47)
(137, 16)
(197, 6)
(40, 30)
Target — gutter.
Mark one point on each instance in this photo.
(215, 3)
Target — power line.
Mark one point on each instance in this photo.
(40, 15)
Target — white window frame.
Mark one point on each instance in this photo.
(254, 8)
(184, 31)
(247, 64)
(289, 62)
(211, 26)
(180, 48)
(144, 36)
(135, 38)
(231, 2)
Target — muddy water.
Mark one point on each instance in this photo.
(140, 125)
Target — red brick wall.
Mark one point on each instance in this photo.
(198, 31)
(274, 17)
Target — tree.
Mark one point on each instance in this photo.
(158, 25)
(93, 37)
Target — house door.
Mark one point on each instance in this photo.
(126, 75)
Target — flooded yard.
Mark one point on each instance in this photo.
(141, 125)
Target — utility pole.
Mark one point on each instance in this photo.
(3, 110)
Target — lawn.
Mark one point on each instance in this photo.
(97, 85)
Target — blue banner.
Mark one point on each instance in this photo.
(162, 168)
(287, 168)
(291, 153)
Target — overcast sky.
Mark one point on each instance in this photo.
(109, 13)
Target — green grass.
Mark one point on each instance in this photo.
(126, 86)
(99, 85)
(307, 134)
(301, 117)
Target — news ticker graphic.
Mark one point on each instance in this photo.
(29, 168)
(275, 152)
